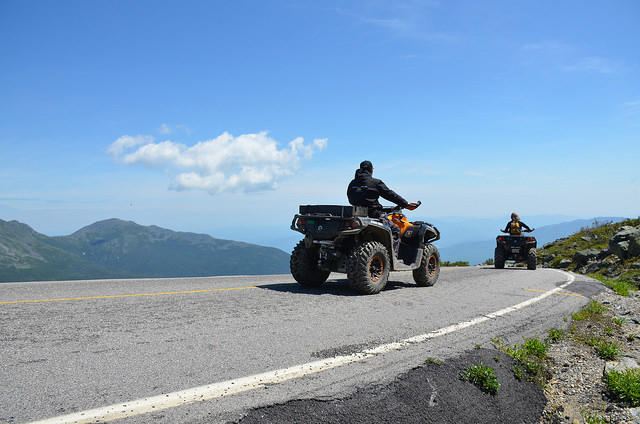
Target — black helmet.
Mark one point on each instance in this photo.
(366, 165)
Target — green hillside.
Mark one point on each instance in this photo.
(26, 255)
(607, 251)
(121, 249)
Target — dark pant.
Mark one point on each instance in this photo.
(395, 231)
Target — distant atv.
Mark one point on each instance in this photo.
(345, 239)
(518, 248)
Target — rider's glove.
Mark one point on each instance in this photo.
(411, 206)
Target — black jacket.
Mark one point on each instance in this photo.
(364, 190)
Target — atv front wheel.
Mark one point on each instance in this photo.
(532, 259)
(498, 258)
(368, 267)
(304, 266)
(427, 273)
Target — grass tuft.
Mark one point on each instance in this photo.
(592, 311)
(456, 263)
(592, 419)
(483, 377)
(530, 359)
(555, 335)
(606, 350)
(624, 386)
(432, 360)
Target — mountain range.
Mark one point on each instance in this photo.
(115, 248)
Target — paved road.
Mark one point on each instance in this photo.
(73, 346)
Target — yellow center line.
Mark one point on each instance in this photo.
(566, 294)
(128, 295)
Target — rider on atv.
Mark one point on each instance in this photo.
(364, 190)
(514, 227)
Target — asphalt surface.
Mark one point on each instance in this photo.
(68, 347)
(430, 393)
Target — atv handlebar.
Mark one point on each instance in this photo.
(526, 231)
(410, 206)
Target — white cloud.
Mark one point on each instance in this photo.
(126, 142)
(249, 162)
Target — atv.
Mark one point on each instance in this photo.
(518, 248)
(345, 239)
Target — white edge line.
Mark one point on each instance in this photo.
(243, 384)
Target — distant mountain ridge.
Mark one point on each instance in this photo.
(115, 248)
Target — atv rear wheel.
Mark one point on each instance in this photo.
(427, 273)
(368, 267)
(498, 258)
(304, 266)
(532, 259)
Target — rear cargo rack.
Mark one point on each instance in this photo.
(334, 210)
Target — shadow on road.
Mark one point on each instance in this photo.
(331, 287)
(515, 268)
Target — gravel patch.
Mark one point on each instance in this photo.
(577, 391)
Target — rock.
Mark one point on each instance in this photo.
(586, 238)
(614, 272)
(549, 258)
(621, 249)
(635, 265)
(592, 267)
(604, 253)
(623, 363)
(564, 263)
(581, 257)
(611, 259)
(626, 242)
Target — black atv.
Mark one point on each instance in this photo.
(518, 248)
(345, 239)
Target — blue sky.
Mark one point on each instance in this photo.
(193, 115)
